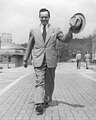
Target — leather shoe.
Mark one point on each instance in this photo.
(40, 108)
(46, 104)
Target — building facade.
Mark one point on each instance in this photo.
(6, 38)
(11, 55)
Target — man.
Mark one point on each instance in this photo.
(87, 59)
(42, 43)
(78, 59)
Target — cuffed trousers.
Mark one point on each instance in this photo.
(44, 83)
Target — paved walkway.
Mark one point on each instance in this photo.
(91, 65)
(74, 96)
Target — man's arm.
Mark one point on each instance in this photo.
(29, 48)
(64, 38)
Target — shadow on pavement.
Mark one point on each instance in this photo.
(55, 103)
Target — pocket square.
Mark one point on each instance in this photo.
(52, 34)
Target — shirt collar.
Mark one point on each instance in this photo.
(42, 27)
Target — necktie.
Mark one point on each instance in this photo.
(44, 33)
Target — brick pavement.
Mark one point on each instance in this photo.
(74, 96)
(8, 76)
(91, 65)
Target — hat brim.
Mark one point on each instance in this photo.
(78, 29)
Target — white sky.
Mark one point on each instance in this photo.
(17, 16)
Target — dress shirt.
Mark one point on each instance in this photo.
(42, 28)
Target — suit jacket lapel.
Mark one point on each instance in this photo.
(49, 32)
(40, 35)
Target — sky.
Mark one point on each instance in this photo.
(18, 16)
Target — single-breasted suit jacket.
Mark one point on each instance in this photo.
(39, 48)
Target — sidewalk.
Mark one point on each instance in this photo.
(91, 65)
(74, 96)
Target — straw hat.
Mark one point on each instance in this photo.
(77, 22)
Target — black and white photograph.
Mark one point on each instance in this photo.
(47, 60)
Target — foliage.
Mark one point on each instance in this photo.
(68, 51)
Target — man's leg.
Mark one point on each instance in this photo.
(40, 87)
(77, 63)
(40, 84)
(49, 83)
(87, 64)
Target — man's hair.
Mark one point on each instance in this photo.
(78, 51)
(86, 52)
(44, 10)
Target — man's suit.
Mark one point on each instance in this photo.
(44, 57)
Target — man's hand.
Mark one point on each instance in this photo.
(70, 30)
(70, 33)
(25, 64)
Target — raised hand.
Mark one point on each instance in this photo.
(25, 64)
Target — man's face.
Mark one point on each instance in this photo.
(44, 18)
